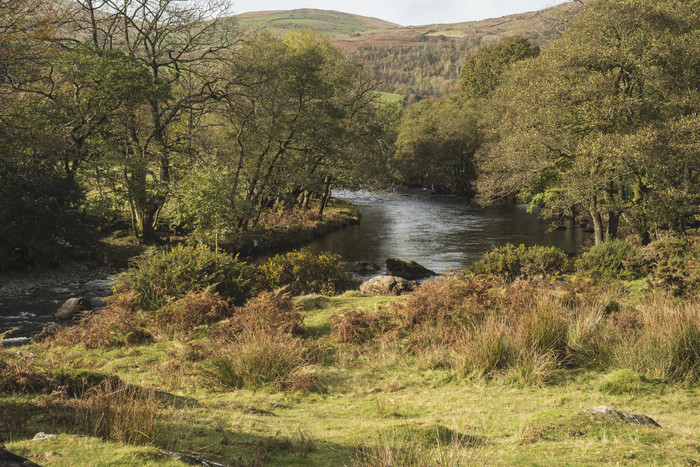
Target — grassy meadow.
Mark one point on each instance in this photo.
(464, 371)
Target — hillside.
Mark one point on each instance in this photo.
(329, 22)
(416, 61)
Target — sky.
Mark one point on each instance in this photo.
(407, 12)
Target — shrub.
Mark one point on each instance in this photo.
(192, 310)
(118, 325)
(357, 327)
(452, 299)
(257, 359)
(609, 259)
(17, 375)
(510, 262)
(672, 264)
(273, 312)
(161, 276)
(302, 272)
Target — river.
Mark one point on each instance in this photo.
(441, 232)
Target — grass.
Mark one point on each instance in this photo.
(384, 399)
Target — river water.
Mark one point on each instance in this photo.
(441, 232)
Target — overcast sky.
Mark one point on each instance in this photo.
(408, 12)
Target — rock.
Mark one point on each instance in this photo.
(41, 436)
(7, 459)
(359, 267)
(618, 416)
(387, 285)
(187, 459)
(73, 307)
(407, 269)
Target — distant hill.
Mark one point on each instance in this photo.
(416, 61)
(329, 22)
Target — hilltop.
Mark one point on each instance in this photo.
(418, 61)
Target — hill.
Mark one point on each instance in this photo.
(416, 61)
(325, 21)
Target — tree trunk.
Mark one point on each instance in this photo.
(326, 193)
(597, 225)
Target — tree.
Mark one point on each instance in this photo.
(481, 71)
(436, 143)
(605, 121)
(179, 44)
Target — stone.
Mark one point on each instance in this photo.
(359, 267)
(618, 416)
(187, 459)
(41, 436)
(407, 269)
(387, 285)
(73, 307)
(8, 459)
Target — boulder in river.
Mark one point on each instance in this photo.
(407, 269)
(387, 285)
(359, 267)
(73, 307)
(614, 415)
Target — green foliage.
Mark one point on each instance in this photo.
(670, 263)
(161, 276)
(609, 259)
(481, 72)
(435, 145)
(511, 262)
(302, 272)
(604, 121)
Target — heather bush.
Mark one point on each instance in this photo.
(510, 262)
(162, 276)
(357, 326)
(302, 272)
(192, 310)
(610, 259)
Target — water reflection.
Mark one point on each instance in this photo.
(441, 232)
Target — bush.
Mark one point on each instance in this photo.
(304, 273)
(510, 262)
(672, 264)
(272, 312)
(357, 327)
(609, 259)
(192, 310)
(116, 326)
(162, 276)
(454, 299)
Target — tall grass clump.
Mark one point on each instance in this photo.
(260, 359)
(610, 259)
(162, 276)
(510, 262)
(667, 344)
(302, 272)
(118, 412)
(485, 350)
